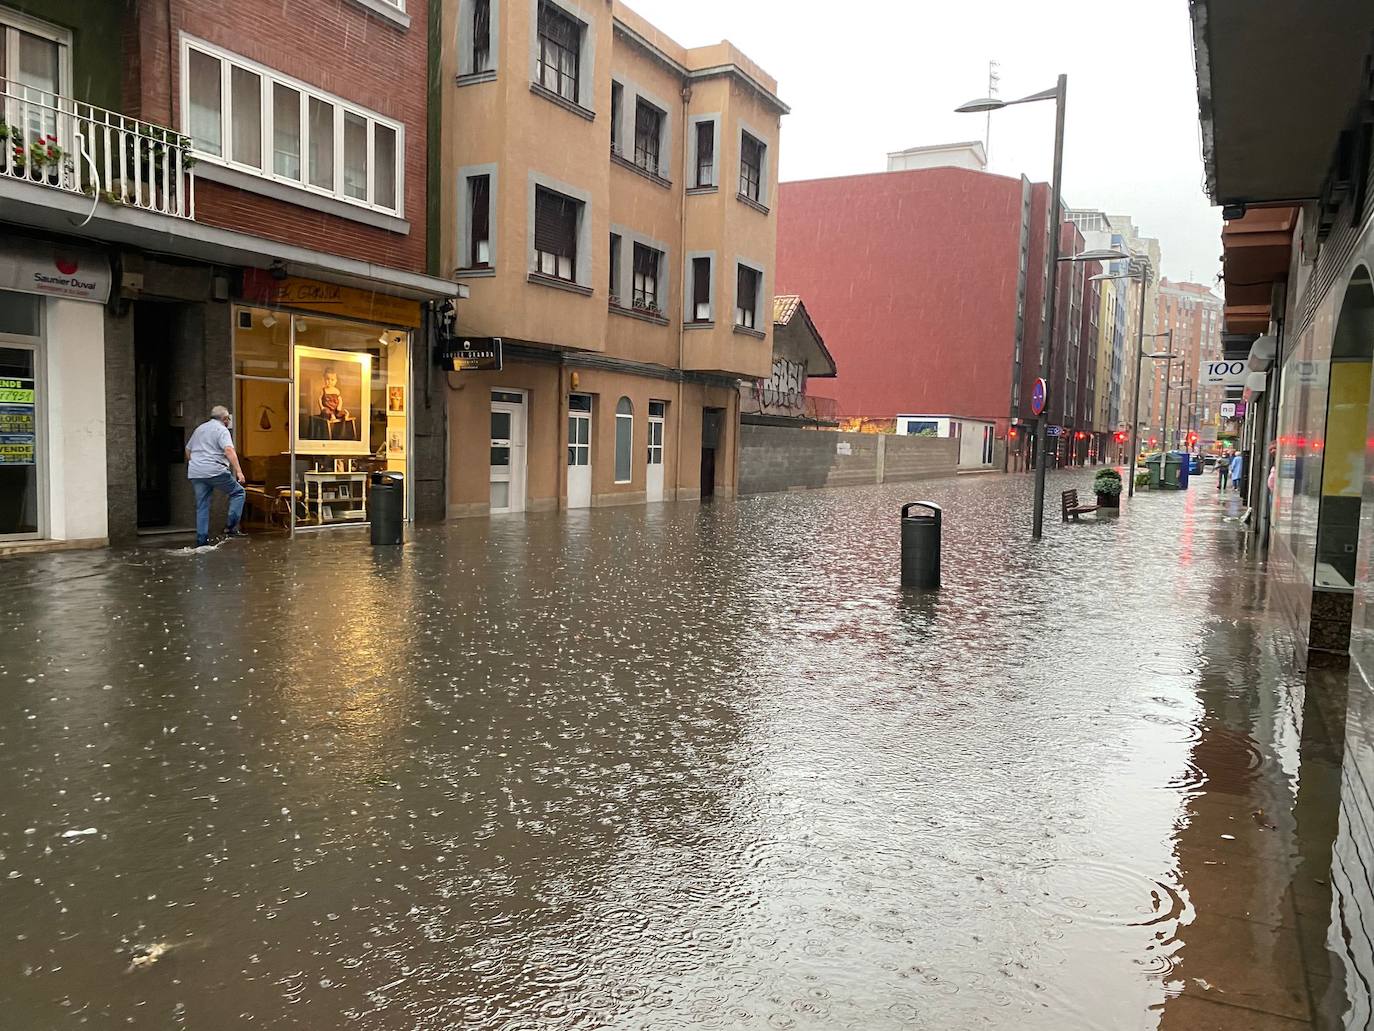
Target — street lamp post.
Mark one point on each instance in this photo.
(988, 104)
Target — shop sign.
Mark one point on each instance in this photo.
(18, 424)
(330, 298)
(55, 271)
(474, 354)
(1216, 374)
(1228, 410)
(1054, 431)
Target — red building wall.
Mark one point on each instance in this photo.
(336, 45)
(914, 277)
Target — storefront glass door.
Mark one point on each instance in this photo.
(21, 418)
(507, 451)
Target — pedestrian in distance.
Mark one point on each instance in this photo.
(212, 465)
(1223, 471)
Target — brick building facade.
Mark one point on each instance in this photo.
(249, 182)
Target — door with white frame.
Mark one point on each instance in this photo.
(579, 450)
(507, 451)
(653, 480)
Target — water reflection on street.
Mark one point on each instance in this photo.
(674, 767)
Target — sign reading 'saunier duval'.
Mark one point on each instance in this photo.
(33, 267)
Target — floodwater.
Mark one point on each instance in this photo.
(674, 767)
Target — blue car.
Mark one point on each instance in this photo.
(1194, 465)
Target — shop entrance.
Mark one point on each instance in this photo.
(1342, 470)
(712, 420)
(579, 451)
(507, 451)
(21, 487)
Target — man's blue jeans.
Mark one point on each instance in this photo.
(205, 489)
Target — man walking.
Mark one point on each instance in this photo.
(1223, 471)
(212, 465)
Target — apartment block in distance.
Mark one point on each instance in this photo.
(609, 202)
(207, 204)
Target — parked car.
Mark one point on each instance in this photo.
(1194, 465)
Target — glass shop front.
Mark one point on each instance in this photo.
(320, 404)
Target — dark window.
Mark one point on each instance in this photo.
(747, 297)
(481, 35)
(617, 102)
(560, 39)
(624, 439)
(701, 289)
(706, 153)
(750, 166)
(555, 234)
(479, 218)
(646, 276)
(648, 130)
(615, 268)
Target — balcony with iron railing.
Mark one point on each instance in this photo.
(64, 144)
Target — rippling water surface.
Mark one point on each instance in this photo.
(675, 767)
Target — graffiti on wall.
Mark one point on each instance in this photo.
(784, 392)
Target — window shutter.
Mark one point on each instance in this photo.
(555, 223)
(701, 285)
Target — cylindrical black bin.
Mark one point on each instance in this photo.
(386, 508)
(921, 546)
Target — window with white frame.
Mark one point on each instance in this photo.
(751, 153)
(658, 412)
(35, 69)
(252, 118)
(647, 262)
(555, 234)
(560, 45)
(747, 297)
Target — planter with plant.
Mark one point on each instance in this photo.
(1107, 487)
(1142, 480)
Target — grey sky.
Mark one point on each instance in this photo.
(867, 76)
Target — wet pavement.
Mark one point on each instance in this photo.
(674, 767)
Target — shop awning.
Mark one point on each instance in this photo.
(1256, 249)
(1276, 83)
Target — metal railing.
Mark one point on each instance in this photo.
(73, 146)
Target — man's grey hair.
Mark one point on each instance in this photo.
(218, 412)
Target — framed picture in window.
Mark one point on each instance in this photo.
(396, 443)
(333, 401)
(396, 400)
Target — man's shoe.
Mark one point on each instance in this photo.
(235, 532)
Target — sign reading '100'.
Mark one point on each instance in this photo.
(1224, 373)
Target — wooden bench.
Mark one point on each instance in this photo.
(1070, 508)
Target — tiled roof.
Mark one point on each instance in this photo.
(784, 307)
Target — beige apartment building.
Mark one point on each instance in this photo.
(607, 199)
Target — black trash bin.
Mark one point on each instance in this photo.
(921, 546)
(386, 508)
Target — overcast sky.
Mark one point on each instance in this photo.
(864, 77)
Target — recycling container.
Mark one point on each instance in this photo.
(921, 545)
(386, 507)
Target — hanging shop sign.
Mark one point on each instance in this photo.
(472, 354)
(1229, 374)
(329, 298)
(31, 267)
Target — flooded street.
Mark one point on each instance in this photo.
(676, 767)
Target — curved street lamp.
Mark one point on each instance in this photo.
(980, 106)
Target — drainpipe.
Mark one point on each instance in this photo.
(682, 320)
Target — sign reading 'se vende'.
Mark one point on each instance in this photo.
(1228, 374)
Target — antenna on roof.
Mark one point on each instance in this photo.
(994, 78)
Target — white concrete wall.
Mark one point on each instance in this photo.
(75, 342)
